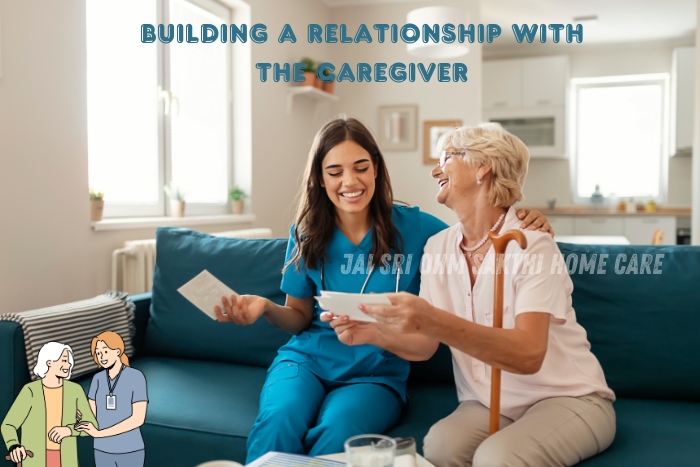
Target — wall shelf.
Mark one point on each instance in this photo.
(308, 92)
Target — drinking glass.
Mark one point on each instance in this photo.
(370, 451)
(405, 452)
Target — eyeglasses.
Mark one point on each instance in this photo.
(444, 155)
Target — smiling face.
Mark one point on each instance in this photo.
(349, 177)
(455, 176)
(59, 368)
(106, 357)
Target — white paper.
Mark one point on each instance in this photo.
(205, 292)
(346, 304)
(278, 459)
(406, 460)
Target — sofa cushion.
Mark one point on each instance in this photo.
(178, 329)
(642, 315)
(652, 433)
(210, 406)
(438, 369)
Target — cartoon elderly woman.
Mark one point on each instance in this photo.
(46, 411)
(118, 397)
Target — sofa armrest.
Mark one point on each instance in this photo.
(13, 364)
(142, 314)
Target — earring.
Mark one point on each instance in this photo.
(478, 181)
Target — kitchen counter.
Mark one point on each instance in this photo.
(588, 211)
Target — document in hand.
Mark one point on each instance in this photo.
(346, 304)
(205, 291)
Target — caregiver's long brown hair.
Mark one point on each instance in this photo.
(316, 217)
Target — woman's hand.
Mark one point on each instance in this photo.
(241, 309)
(407, 313)
(57, 433)
(18, 454)
(534, 220)
(89, 428)
(350, 332)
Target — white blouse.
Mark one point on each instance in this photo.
(535, 280)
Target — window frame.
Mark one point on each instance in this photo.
(160, 208)
(577, 84)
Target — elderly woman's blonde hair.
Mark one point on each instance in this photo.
(490, 143)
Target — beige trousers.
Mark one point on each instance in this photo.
(560, 431)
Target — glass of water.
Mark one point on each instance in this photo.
(370, 451)
(405, 452)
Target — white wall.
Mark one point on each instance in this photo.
(281, 141)
(436, 101)
(550, 178)
(48, 252)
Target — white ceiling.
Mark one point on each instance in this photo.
(618, 20)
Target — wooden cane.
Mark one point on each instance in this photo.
(499, 245)
(29, 454)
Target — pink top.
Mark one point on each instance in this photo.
(535, 280)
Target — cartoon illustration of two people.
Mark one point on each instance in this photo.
(52, 411)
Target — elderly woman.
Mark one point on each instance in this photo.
(45, 411)
(556, 408)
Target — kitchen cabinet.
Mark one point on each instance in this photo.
(528, 98)
(599, 225)
(526, 82)
(501, 84)
(544, 81)
(682, 100)
(639, 230)
(562, 225)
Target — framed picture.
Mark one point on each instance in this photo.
(397, 127)
(432, 131)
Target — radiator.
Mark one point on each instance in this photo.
(132, 266)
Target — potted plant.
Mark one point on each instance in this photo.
(309, 72)
(97, 205)
(235, 196)
(328, 86)
(177, 200)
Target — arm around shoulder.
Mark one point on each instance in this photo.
(431, 225)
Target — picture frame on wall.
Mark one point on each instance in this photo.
(397, 127)
(432, 131)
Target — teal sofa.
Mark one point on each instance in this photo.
(204, 377)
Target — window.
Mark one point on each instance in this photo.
(157, 113)
(619, 138)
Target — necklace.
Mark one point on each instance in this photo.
(486, 237)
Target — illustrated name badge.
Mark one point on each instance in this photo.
(111, 402)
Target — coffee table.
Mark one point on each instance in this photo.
(420, 460)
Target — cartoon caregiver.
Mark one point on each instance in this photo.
(118, 397)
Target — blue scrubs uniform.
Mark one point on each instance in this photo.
(319, 391)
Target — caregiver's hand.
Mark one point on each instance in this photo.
(241, 309)
(350, 332)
